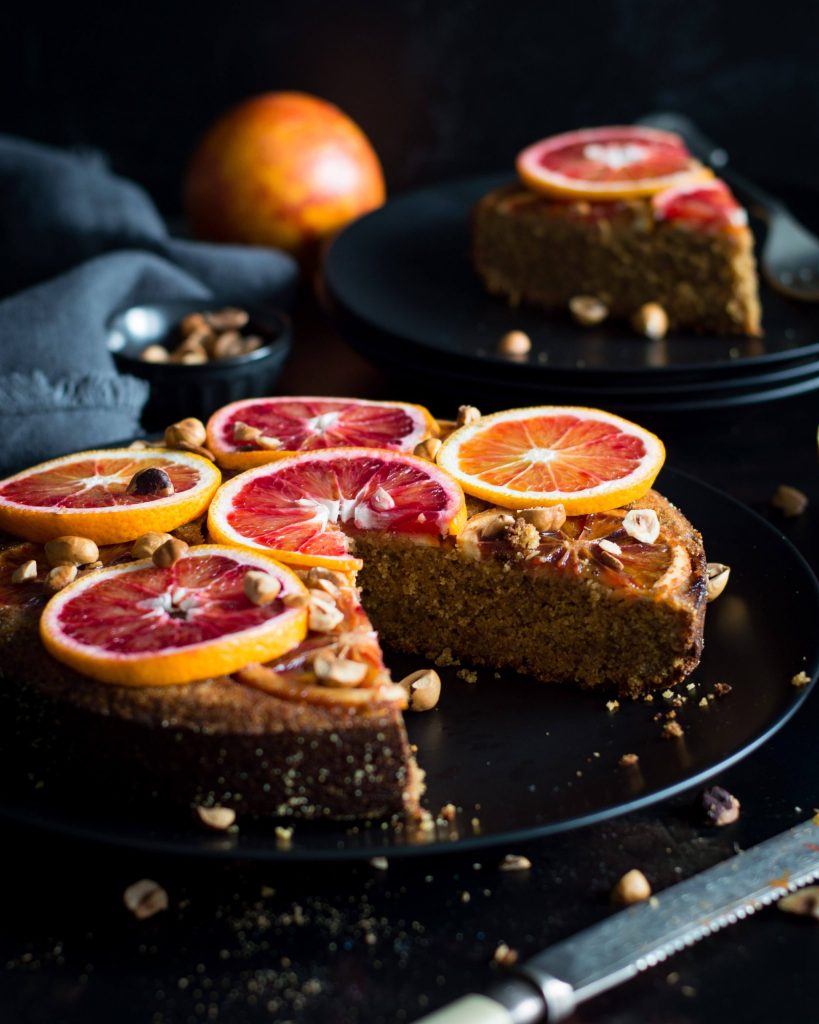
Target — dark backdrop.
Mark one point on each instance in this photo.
(442, 87)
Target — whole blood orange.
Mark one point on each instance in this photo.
(284, 169)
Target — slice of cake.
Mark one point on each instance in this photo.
(624, 216)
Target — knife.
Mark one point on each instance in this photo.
(553, 983)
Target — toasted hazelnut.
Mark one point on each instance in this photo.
(651, 320)
(269, 443)
(229, 318)
(152, 481)
(423, 689)
(243, 432)
(515, 862)
(804, 902)
(790, 501)
(144, 546)
(342, 672)
(515, 343)
(71, 551)
(717, 575)
(260, 587)
(296, 599)
(800, 679)
(25, 571)
(145, 898)
(169, 553)
(60, 577)
(642, 524)
(190, 431)
(467, 414)
(632, 888)
(324, 616)
(252, 342)
(194, 357)
(545, 520)
(197, 343)
(382, 500)
(227, 345)
(155, 354)
(218, 818)
(588, 310)
(196, 449)
(193, 323)
(428, 449)
(505, 955)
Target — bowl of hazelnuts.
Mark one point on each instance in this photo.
(198, 355)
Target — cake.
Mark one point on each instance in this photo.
(382, 541)
(611, 221)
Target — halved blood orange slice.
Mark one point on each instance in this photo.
(618, 162)
(260, 430)
(585, 459)
(304, 509)
(87, 494)
(139, 625)
(708, 204)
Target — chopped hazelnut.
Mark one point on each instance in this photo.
(467, 414)
(145, 898)
(642, 524)
(428, 449)
(515, 862)
(169, 553)
(651, 320)
(790, 501)
(71, 551)
(629, 760)
(719, 806)
(672, 730)
(25, 571)
(800, 679)
(60, 577)
(588, 310)
(423, 689)
(515, 343)
(261, 587)
(717, 576)
(505, 955)
(633, 887)
(218, 818)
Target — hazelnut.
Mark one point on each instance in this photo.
(588, 310)
(296, 599)
(193, 323)
(71, 551)
(244, 432)
(227, 345)
(515, 862)
(192, 357)
(324, 616)
(60, 577)
(196, 449)
(168, 553)
(342, 672)
(269, 443)
(188, 431)
(790, 501)
(632, 888)
(152, 481)
(144, 546)
(155, 354)
(145, 898)
(228, 318)
(467, 414)
(717, 575)
(25, 571)
(252, 342)
(218, 818)
(545, 520)
(642, 524)
(260, 587)
(423, 689)
(651, 320)
(515, 343)
(804, 902)
(428, 449)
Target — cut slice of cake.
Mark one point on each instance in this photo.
(625, 216)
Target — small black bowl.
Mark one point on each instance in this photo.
(179, 390)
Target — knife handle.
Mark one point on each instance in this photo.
(515, 1000)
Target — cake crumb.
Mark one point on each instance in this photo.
(628, 760)
(800, 679)
(465, 897)
(649, 698)
(613, 705)
(524, 537)
(703, 703)
(672, 730)
(145, 898)
(719, 806)
(722, 689)
(515, 862)
(790, 501)
(446, 658)
(448, 812)
(467, 674)
(379, 863)
(284, 837)
(668, 694)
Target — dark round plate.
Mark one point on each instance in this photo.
(402, 275)
(521, 759)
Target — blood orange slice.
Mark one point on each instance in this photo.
(305, 508)
(609, 163)
(139, 625)
(704, 205)
(260, 430)
(87, 494)
(585, 459)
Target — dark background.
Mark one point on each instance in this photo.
(441, 88)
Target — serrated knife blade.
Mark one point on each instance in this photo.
(550, 985)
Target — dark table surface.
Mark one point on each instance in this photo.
(348, 943)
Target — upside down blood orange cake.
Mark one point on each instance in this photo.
(626, 217)
(238, 666)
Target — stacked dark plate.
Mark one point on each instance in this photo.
(401, 286)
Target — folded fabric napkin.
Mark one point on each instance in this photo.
(78, 243)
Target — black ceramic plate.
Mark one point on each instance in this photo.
(528, 759)
(402, 275)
